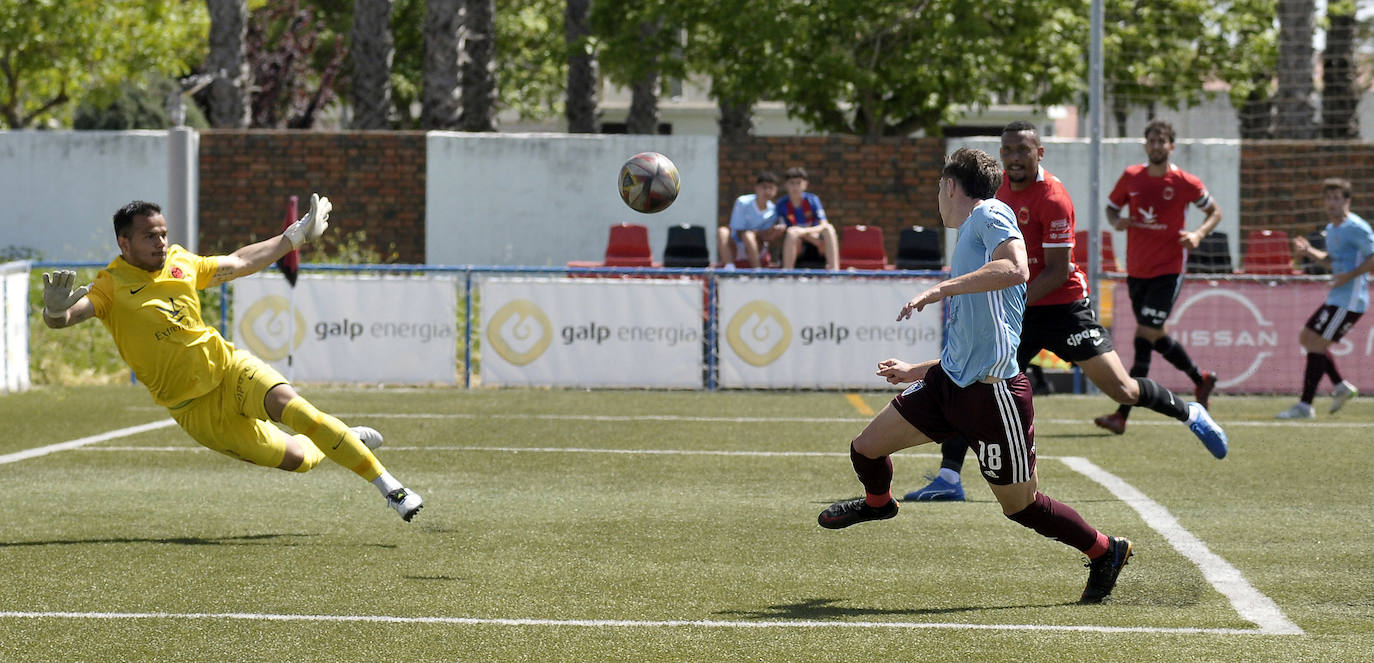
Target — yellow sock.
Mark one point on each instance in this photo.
(312, 454)
(331, 437)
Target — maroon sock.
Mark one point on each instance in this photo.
(874, 473)
(1316, 368)
(1331, 371)
(1058, 521)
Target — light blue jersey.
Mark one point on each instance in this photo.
(984, 328)
(746, 215)
(1348, 245)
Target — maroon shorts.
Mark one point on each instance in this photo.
(1331, 322)
(997, 419)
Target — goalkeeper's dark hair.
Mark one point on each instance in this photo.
(1022, 126)
(977, 173)
(124, 218)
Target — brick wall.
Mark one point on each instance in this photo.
(376, 181)
(1280, 182)
(886, 182)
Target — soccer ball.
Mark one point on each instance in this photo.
(649, 182)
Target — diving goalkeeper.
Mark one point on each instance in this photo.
(222, 396)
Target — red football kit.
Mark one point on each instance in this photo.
(1157, 207)
(1045, 214)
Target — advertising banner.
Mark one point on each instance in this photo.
(1247, 332)
(592, 332)
(784, 333)
(399, 330)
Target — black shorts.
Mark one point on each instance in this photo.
(1153, 299)
(997, 419)
(1331, 322)
(1070, 331)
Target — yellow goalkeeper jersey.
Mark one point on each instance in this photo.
(155, 320)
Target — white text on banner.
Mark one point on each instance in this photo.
(400, 330)
(592, 332)
(820, 334)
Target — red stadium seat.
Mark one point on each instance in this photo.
(629, 247)
(1268, 252)
(861, 247)
(1080, 251)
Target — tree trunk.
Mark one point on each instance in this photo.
(1340, 98)
(477, 66)
(1257, 113)
(228, 63)
(736, 120)
(372, 53)
(440, 100)
(1296, 116)
(579, 103)
(643, 118)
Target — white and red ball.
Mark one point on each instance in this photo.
(649, 182)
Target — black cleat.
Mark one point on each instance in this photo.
(1102, 572)
(851, 512)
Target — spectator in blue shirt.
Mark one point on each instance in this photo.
(753, 223)
(806, 222)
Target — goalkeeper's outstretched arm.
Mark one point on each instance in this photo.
(64, 306)
(256, 256)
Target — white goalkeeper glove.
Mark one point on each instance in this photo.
(312, 225)
(58, 295)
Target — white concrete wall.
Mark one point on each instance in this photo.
(545, 199)
(60, 188)
(1215, 161)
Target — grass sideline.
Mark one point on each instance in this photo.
(531, 551)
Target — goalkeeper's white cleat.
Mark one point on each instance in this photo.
(1342, 395)
(1299, 410)
(406, 502)
(371, 437)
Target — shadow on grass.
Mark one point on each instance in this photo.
(827, 609)
(241, 540)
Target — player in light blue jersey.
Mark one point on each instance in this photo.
(975, 389)
(1350, 248)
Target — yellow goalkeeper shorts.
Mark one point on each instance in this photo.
(232, 418)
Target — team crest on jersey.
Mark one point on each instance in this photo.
(177, 273)
(1023, 215)
(1168, 193)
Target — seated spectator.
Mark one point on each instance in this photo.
(806, 222)
(753, 223)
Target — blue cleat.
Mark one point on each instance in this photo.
(938, 490)
(1212, 436)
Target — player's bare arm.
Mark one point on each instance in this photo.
(1007, 268)
(896, 371)
(63, 305)
(1305, 248)
(1058, 268)
(1114, 217)
(255, 257)
(1191, 240)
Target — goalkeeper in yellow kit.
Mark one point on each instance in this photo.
(223, 397)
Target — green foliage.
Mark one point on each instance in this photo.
(531, 61)
(638, 37)
(136, 107)
(55, 52)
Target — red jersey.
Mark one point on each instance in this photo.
(1157, 207)
(1044, 212)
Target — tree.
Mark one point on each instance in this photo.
(476, 65)
(295, 61)
(228, 63)
(136, 107)
(640, 48)
(441, 99)
(1296, 116)
(372, 52)
(1243, 52)
(1340, 98)
(580, 97)
(54, 52)
(888, 69)
(742, 71)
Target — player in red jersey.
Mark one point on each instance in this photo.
(1059, 315)
(1157, 195)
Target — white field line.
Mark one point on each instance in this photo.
(627, 623)
(1227, 579)
(81, 442)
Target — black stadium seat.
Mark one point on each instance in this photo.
(686, 247)
(919, 248)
